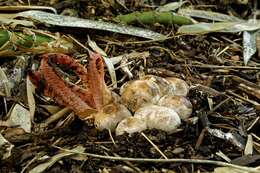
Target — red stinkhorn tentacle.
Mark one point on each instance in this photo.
(83, 101)
(96, 78)
(60, 93)
(63, 59)
(80, 70)
(84, 94)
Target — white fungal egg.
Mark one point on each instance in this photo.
(159, 117)
(178, 103)
(164, 85)
(130, 125)
(179, 86)
(110, 115)
(137, 93)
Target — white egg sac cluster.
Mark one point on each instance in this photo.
(155, 102)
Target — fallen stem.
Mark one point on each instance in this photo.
(157, 149)
(225, 67)
(212, 162)
(28, 7)
(56, 116)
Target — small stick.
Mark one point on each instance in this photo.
(224, 67)
(111, 137)
(165, 157)
(55, 116)
(200, 139)
(127, 162)
(130, 164)
(226, 48)
(206, 89)
(28, 7)
(39, 155)
(256, 104)
(131, 159)
(253, 124)
(245, 82)
(217, 106)
(77, 42)
(249, 90)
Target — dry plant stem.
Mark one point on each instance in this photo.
(200, 139)
(223, 67)
(253, 124)
(56, 116)
(256, 104)
(160, 72)
(76, 41)
(206, 89)
(217, 106)
(111, 136)
(232, 42)
(29, 7)
(163, 155)
(212, 162)
(255, 136)
(39, 155)
(245, 82)
(127, 162)
(247, 86)
(138, 42)
(222, 51)
(249, 90)
(130, 164)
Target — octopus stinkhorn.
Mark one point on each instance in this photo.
(85, 100)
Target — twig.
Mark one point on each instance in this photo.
(217, 106)
(77, 42)
(111, 137)
(256, 104)
(39, 155)
(27, 7)
(212, 162)
(253, 124)
(226, 48)
(127, 162)
(139, 42)
(224, 67)
(245, 82)
(249, 90)
(56, 116)
(200, 139)
(151, 142)
(130, 164)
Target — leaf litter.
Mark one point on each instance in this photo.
(41, 129)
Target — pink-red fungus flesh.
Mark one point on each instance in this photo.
(83, 101)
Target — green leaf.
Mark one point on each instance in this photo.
(152, 17)
(4, 37)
